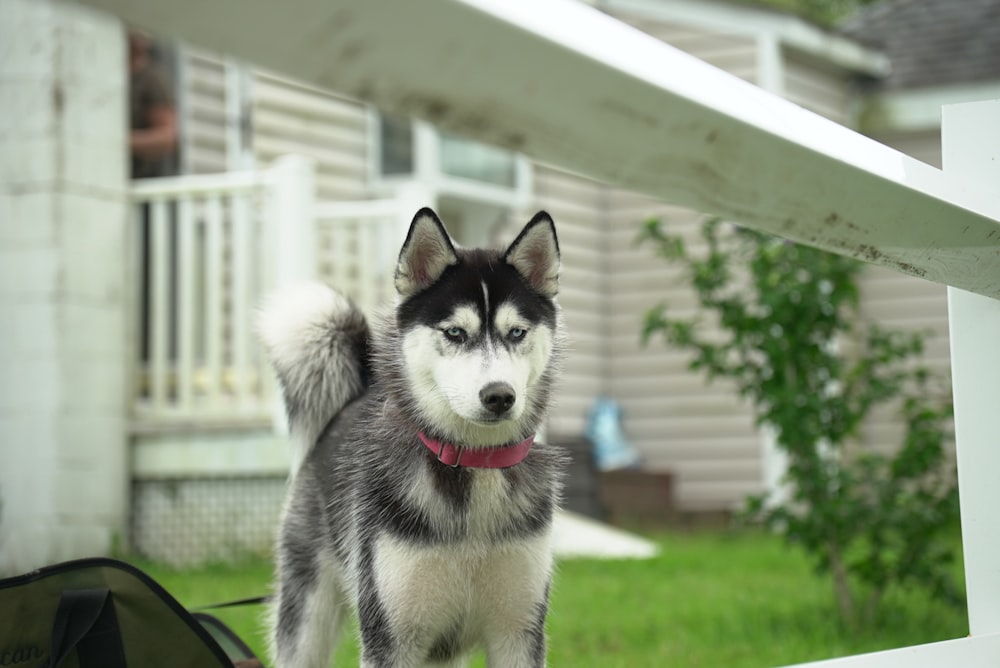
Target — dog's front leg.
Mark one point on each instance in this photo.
(382, 645)
(519, 647)
(310, 601)
(410, 611)
(516, 595)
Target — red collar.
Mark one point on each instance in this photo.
(500, 457)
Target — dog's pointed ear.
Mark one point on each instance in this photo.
(535, 255)
(426, 253)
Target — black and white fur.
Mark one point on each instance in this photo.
(436, 561)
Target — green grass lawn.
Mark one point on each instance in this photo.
(708, 600)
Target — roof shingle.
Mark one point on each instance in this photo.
(933, 42)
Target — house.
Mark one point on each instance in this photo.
(201, 486)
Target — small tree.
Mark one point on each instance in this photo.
(872, 520)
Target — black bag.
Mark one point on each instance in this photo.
(103, 613)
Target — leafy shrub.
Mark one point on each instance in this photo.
(873, 520)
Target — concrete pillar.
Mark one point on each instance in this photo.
(63, 352)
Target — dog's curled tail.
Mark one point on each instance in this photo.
(317, 341)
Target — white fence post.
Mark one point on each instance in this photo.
(292, 237)
(971, 156)
(412, 196)
(292, 221)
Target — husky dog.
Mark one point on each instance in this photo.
(422, 501)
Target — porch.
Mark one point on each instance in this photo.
(207, 443)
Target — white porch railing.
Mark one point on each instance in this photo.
(196, 269)
(355, 247)
(356, 243)
(207, 249)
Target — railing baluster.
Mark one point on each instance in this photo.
(159, 305)
(139, 369)
(386, 241)
(360, 256)
(364, 257)
(267, 278)
(214, 277)
(187, 269)
(339, 250)
(240, 367)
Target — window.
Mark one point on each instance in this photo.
(479, 162)
(452, 167)
(395, 146)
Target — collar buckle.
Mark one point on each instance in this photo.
(459, 449)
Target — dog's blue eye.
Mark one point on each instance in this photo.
(456, 334)
(517, 333)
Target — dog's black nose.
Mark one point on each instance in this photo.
(497, 397)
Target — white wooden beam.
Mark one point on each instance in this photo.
(564, 83)
(178, 455)
(973, 652)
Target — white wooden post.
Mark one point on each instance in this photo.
(411, 197)
(971, 158)
(427, 152)
(214, 299)
(244, 254)
(291, 236)
(292, 221)
(187, 323)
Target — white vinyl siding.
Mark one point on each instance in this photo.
(817, 87)
(923, 145)
(912, 305)
(576, 205)
(734, 53)
(204, 107)
(701, 431)
(285, 117)
(295, 118)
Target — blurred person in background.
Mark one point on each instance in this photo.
(153, 145)
(153, 131)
